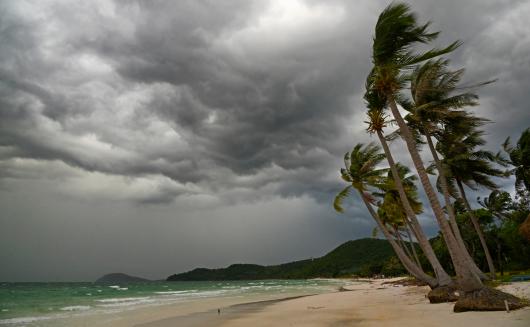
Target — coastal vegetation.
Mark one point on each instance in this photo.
(362, 257)
(420, 93)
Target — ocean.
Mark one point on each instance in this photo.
(31, 304)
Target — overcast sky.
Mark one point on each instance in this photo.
(152, 137)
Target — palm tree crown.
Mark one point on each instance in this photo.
(520, 158)
(396, 33)
(360, 171)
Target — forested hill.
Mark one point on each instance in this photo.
(349, 258)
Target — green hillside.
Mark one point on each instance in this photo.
(352, 257)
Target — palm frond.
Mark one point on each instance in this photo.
(339, 198)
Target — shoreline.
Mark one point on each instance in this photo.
(213, 317)
(362, 303)
(199, 309)
(368, 304)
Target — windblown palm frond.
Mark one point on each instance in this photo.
(361, 172)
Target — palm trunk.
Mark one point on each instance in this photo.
(468, 281)
(476, 225)
(441, 274)
(407, 263)
(499, 257)
(402, 243)
(411, 243)
(449, 206)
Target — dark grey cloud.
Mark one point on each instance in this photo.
(201, 105)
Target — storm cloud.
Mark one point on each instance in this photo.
(183, 116)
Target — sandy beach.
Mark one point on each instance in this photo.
(368, 304)
(364, 303)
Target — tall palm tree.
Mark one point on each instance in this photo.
(465, 165)
(396, 32)
(362, 174)
(433, 102)
(377, 121)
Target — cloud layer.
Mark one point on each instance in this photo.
(202, 105)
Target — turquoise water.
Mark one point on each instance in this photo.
(22, 303)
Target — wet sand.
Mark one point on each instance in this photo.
(216, 317)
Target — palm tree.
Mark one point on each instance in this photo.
(377, 121)
(396, 32)
(498, 203)
(392, 211)
(434, 102)
(465, 165)
(520, 159)
(362, 174)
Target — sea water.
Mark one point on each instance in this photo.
(27, 304)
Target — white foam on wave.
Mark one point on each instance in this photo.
(22, 320)
(175, 292)
(127, 304)
(209, 293)
(122, 299)
(76, 308)
(114, 286)
(124, 302)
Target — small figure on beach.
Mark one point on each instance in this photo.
(218, 311)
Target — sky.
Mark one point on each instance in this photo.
(153, 137)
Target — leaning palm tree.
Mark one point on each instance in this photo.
(396, 32)
(390, 212)
(465, 165)
(499, 203)
(362, 174)
(434, 101)
(377, 121)
(391, 209)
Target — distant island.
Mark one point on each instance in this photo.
(120, 278)
(361, 257)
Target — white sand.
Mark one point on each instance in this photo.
(381, 305)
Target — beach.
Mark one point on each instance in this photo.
(377, 304)
(364, 304)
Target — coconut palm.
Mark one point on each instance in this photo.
(396, 32)
(377, 121)
(520, 159)
(498, 203)
(392, 211)
(362, 174)
(467, 166)
(434, 102)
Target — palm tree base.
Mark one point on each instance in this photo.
(442, 294)
(487, 299)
